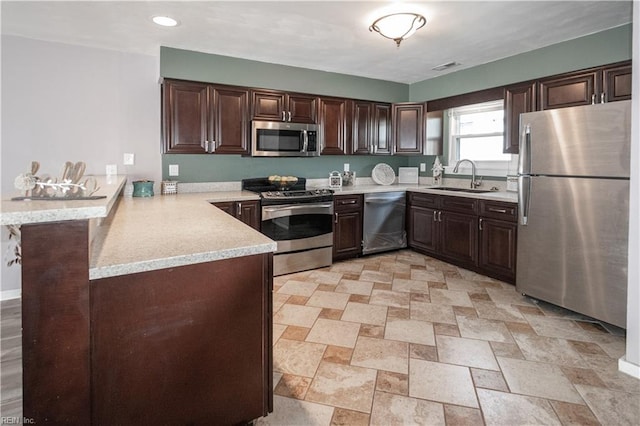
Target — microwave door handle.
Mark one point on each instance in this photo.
(305, 141)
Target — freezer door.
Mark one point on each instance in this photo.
(573, 250)
(591, 140)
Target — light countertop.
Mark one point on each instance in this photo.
(23, 212)
(505, 196)
(131, 235)
(168, 231)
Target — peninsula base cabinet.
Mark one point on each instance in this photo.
(347, 233)
(189, 345)
(246, 211)
(474, 234)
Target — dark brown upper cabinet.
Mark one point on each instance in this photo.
(281, 106)
(616, 82)
(200, 118)
(371, 128)
(592, 86)
(408, 128)
(518, 98)
(334, 126)
(185, 117)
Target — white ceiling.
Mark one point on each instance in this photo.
(330, 36)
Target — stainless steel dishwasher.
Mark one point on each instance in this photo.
(383, 222)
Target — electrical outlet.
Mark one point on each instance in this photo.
(423, 167)
(112, 169)
(174, 170)
(128, 159)
(346, 167)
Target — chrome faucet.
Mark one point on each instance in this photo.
(474, 183)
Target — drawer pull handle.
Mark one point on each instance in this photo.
(440, 216)
(480, 223)
(347, 202)
(336, 218)
(434, 216)
(491, 209)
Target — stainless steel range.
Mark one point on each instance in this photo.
(299, 220)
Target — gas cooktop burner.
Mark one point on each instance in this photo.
(297, 194)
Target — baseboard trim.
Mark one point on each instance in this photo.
(10, 294)
(629, 368)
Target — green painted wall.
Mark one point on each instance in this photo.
(224, 168)
(190, 65)
(601, 48)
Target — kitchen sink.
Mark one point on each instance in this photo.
(448, 188)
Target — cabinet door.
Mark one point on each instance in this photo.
(185, 117)
(382, 130)
(302, 109)
(573, 90)
(459, 237)
(408, 128)
(231, 121)
(423, 230)
(333, 126)
(228, 207)
(362, 123)
(498, 248)
(617, 83)
(249, 213)
(268, 105)
(518, 99)
(347, 237)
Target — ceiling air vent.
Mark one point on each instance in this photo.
(446, 66)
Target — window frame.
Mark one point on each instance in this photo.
(483, 167)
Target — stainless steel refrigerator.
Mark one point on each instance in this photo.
(573, 178)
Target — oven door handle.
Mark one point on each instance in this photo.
(273, 212)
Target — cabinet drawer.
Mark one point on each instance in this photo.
(423, 200)
(459, 204)
(499, 210)
(347, 202)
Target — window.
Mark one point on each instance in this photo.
(476, 133)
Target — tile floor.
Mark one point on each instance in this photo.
(401, 339)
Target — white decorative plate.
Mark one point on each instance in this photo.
(383, 174)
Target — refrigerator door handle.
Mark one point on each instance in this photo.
(524, 198)
(524, 163)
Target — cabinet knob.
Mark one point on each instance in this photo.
(440, 216)
(289, 115)
(435, 219)
(239, 209)
(284, 117)
(593, 99)
(336, 218)
(602, 99)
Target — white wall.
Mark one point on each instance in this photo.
(71, 103)
(631, 361)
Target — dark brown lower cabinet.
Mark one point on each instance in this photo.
(186, 345)
(347, 232)
(478, 235)
(246, 211)
(189, 345)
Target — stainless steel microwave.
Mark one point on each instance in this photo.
(280, 139)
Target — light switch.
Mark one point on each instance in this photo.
(128, 159)
(174, 170)
(112, 169)
(423, 167)
(346, 167)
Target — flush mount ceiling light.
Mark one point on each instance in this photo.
(165, 21)
(398, 26)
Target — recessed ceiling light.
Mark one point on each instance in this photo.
(165, 21)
